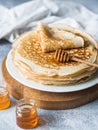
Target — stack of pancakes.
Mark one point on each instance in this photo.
(33, 55)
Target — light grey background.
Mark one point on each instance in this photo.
(82, 118)
(91, 4)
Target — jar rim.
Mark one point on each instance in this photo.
(28, 102)
(3, 90)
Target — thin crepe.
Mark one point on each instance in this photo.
(52, 39)
(41, 67)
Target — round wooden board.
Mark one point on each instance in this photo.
(49, 100)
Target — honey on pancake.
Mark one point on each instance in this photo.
(4, 98)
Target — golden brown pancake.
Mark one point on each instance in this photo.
(41, 67)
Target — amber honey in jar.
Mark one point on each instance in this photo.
(26, 114)
(4, 98)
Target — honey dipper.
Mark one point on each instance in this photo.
(62, 56)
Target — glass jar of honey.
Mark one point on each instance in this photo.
(4, 98)
(26, 114)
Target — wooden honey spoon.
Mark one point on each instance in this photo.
(62, 56)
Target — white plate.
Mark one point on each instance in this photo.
(50, 88)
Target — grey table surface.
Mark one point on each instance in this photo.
(82, 118)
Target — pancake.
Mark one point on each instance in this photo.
(34, 64)
(52, 39)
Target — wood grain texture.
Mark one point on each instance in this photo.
(49, 100)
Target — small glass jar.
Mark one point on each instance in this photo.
(26, 114)
(4, 98)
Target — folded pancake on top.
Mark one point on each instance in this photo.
(52, 39)
(33, 54)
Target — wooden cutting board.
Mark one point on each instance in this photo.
(49, 100)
